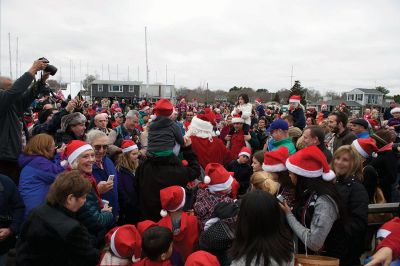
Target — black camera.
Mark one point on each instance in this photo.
(50, 68)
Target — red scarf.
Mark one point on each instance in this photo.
(387, 147)
(94, 187)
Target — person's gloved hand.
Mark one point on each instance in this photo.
(224, 210)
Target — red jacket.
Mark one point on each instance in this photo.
(237, 143)
(147, 262)
(392, 241)
(186, 241)
(210, 152)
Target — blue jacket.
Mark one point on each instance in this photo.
(102, 175)
(363, 135)
(12, 206)
(299, 118)
(128, 197)
(37, 174)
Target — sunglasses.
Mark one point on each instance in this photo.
(98, 147)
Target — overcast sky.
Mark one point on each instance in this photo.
(332, 45)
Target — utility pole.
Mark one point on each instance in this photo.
(291, 79)
(147, 61)
(9, 51)
(128, 73)
(109, 77)
(138, 78)
(102, 77)
(16, 60)
(117, 71)
(166, 74)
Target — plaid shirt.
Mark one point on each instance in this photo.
(205, 205)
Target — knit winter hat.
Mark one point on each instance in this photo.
(217, 177)
(128, 145)
(163, 108)
(172, 199)
(274, 161)
(125, 242)
(245, 151)
(310, 162)
(202, 258)
(294, 99)
(73, 150)
(395, 110)
(366, 147)
(361, 122)
(72, 120)
(237, 119)
(388, 228)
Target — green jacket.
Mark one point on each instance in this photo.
(275, 144)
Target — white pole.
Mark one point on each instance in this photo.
(0, 37)
(138, 73)
(147, 61)
(9, 51)
(102, 71)
(109, 77)
(166, 74)
(128, 73)
(117, 71)
(16, 60)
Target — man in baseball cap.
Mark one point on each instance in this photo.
(279, 130)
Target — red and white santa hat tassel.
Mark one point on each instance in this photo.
(172, 198)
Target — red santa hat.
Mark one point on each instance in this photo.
(144, 225)
(202, 258)
(208, 116)
(237, 119)
(366, 147)
(395, 110)
(128, 145)
(245, 151)
(217, 177)
(259, 100)
(310, 162)
(294, 99)
(125, 242)
(163, 108)
(274, 161)
(172, 199)
(388, 228)
(73, 150)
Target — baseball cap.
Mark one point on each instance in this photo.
(278, 124)
(118, 114)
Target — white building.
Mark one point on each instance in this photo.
(365, 96)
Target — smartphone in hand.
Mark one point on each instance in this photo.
(110, 178)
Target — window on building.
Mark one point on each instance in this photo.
(100, 88)
(350, 97)
(115, 88)
(372, 99)
(359, 97)
(131, 88)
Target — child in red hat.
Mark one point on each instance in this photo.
(165, 136)
(219, 186)
(242, 169)
(184, 227)
(124, 245)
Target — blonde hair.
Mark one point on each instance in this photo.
(40, 145)
(356, 161)
(264, 181)
(123, 160)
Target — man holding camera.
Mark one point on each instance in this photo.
(14, 99)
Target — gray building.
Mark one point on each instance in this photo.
(365, 97)
(130, 90)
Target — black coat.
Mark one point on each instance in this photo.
(242, 174)
(386, 166)
(355, 198)
(299, 118)
(51, 236)
(156, 173)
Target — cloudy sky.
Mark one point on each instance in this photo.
(332, 45)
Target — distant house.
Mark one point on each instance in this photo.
(130, 90)
(370, 97)
(331, 104)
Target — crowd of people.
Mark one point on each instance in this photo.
(109, 182)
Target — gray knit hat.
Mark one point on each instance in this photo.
(72, 120)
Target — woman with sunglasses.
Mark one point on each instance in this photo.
(103, 168)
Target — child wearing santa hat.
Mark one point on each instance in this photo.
(317, 218)
(202, 258)
(297, 111)
(126, 165)
(184, 227)
(123, 246)
(219, 186)
(242, 169)
(165, 136)
(157, 246)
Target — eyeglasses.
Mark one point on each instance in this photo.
(98, 147)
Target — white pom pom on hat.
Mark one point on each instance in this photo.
(163, 213)
(207, 179)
